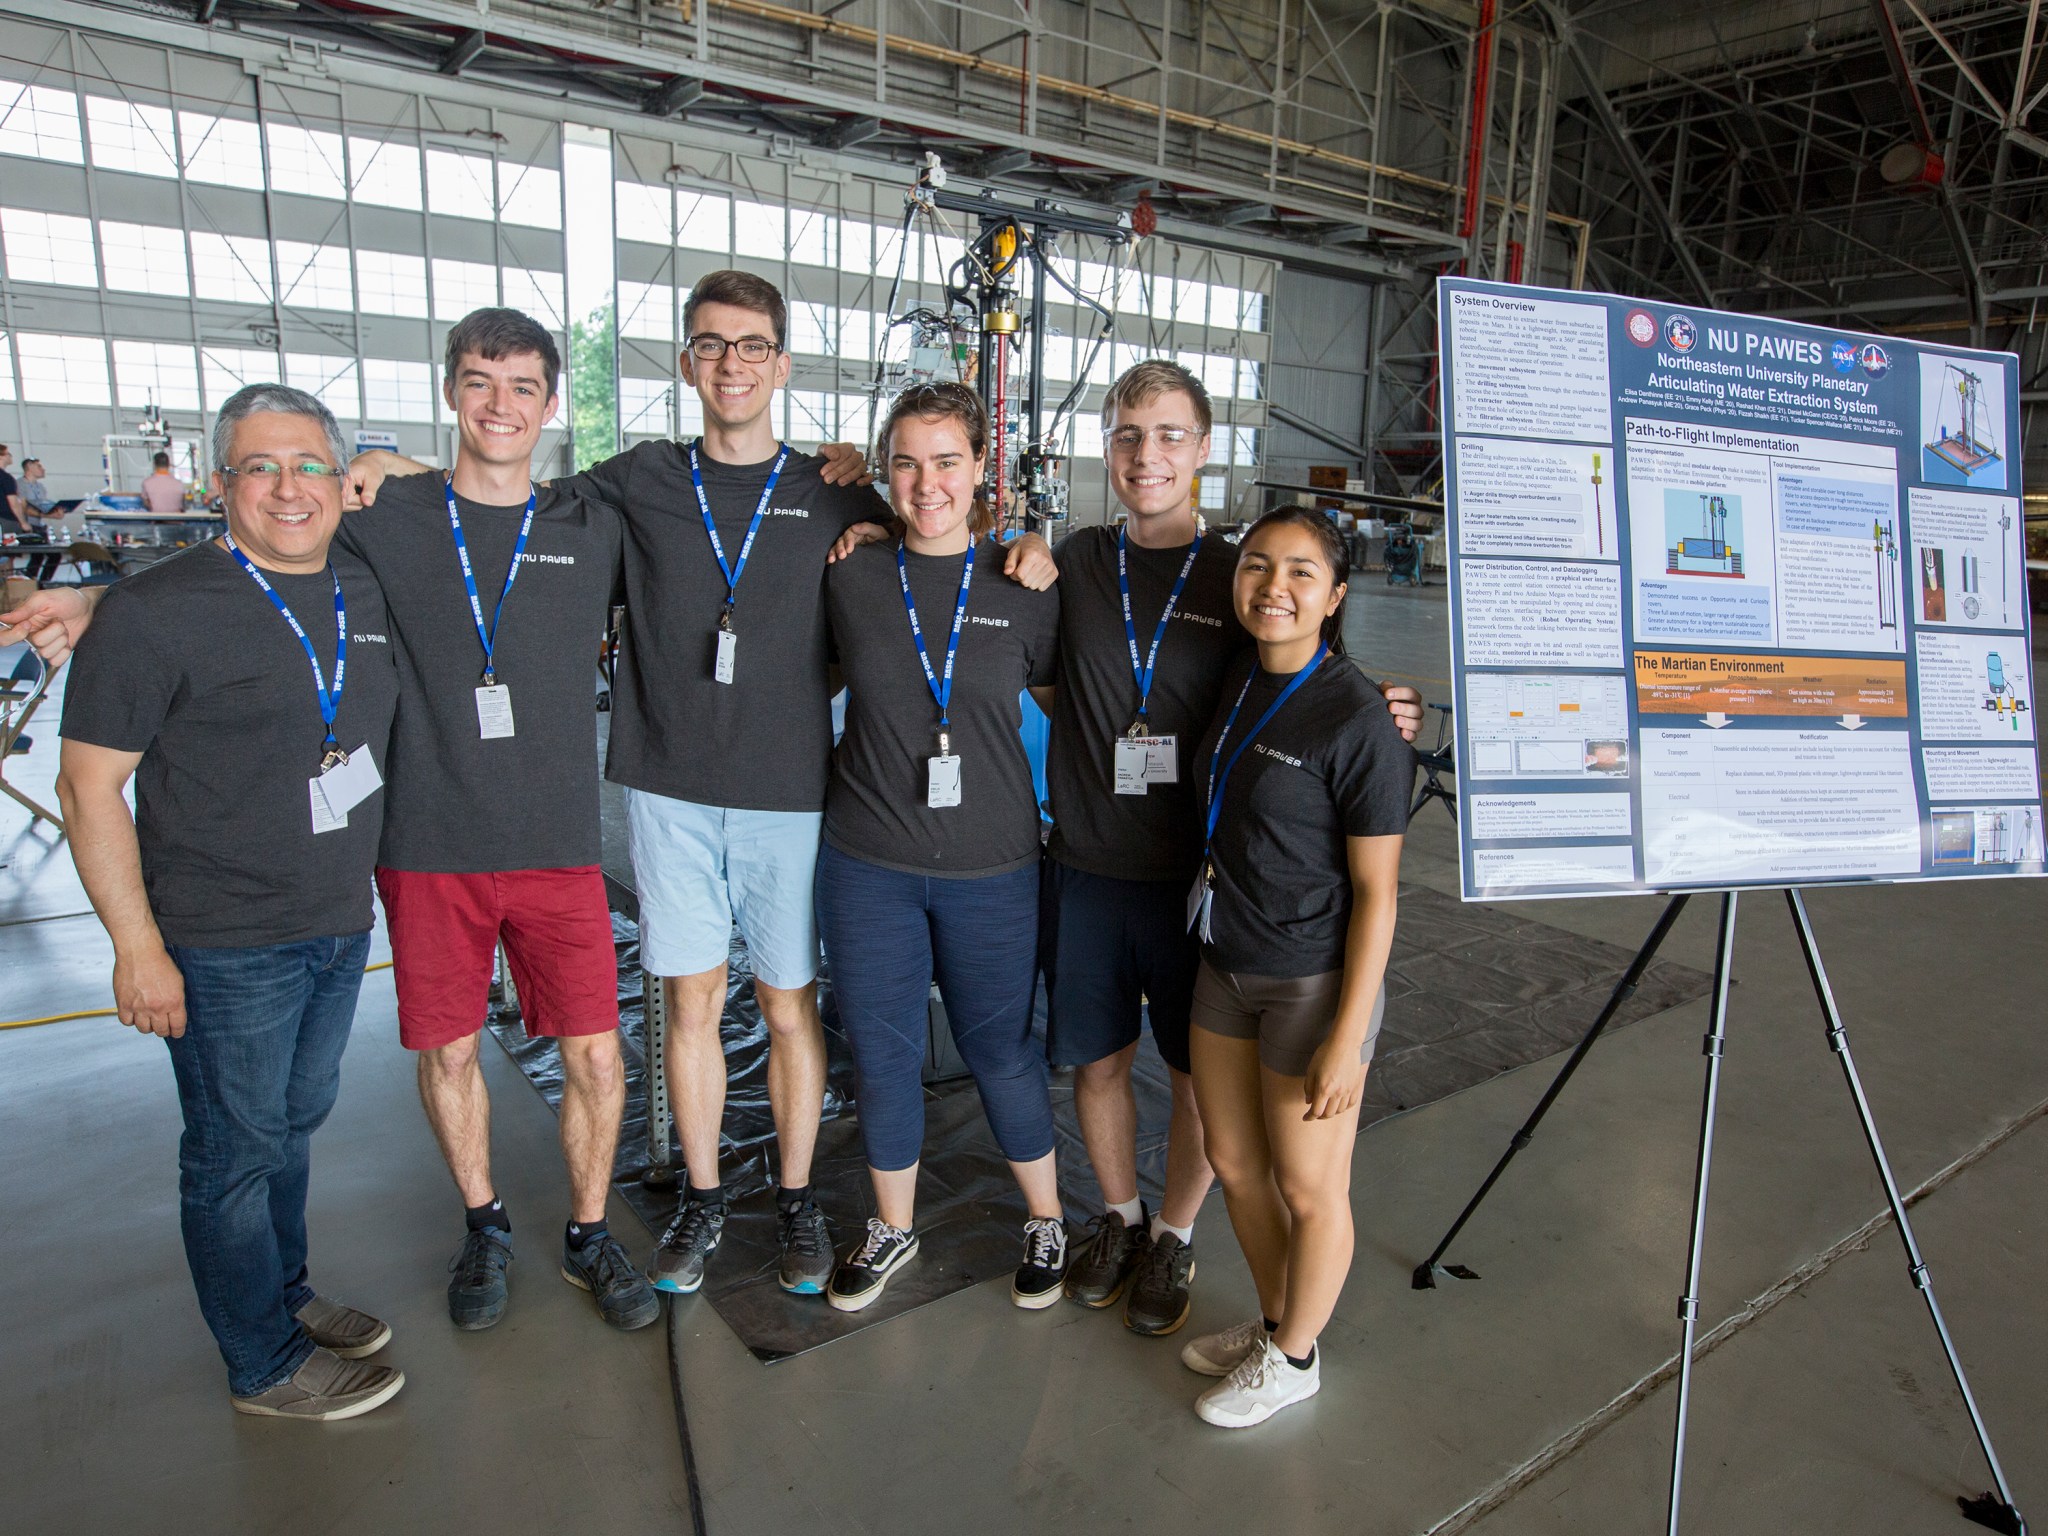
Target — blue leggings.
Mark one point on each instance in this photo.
(887, 934)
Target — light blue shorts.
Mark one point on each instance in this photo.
(699, 869)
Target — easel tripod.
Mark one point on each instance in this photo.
(1995, 1509)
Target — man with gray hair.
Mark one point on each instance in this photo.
(238, 895)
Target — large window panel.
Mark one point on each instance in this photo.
(306, 161)
(6, 367)
(643, 406)
(647, 311)
(48, 248)
(459, 185)
(144, 258)
(529, 195)
(395, 390)
(813, 416)
(813, 238)
(227, 151)
(813, 329)
(231, 267)
(538, 294)
(703, 221)
(315, 276)
(389, 283)
(131, 136)
(384, 173)
(41, 122)
(460, 286)
(759, 230)
(63, 370)
(332, 379)
(159, 372)
(641, 212)
(223, 370)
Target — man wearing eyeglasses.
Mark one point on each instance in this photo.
(247, 686)
(1147, 633)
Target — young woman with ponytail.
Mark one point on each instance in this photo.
(930, 861)
(1305, 780)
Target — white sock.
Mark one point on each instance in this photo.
(1132, 1211)
(1160, 1224)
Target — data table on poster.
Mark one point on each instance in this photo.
(1734, 601)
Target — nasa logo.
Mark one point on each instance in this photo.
(1641, 326)
(1843, 355)
(1876, 362)
(1680, 333)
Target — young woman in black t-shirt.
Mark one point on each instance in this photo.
(1305, 782)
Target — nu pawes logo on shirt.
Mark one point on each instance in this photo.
(533, 559)
(789, 511)
(1198, 618)
(1292, 762)
(975, 618)
(369, 640)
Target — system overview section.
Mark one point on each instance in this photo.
(1733, 601)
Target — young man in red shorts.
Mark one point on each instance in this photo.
(499, 592)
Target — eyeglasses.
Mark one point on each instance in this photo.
(271, 471)
(708, 348)
(1131, 439)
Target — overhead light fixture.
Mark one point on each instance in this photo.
(1912, 165)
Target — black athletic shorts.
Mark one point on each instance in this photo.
(1108, 948)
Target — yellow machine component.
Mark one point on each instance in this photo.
(1003, 248)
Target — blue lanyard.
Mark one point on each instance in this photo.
(732, 573)
(330, 750)
(1218, 783)
(1143, 671)
(942, 692)
(489, 637)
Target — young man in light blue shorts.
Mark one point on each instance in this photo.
(721, 733)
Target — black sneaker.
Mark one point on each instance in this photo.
(1044, 1270)
(624, 1298)
(692, 1237)
(806, 1250)
(1158, 1302)
(477, 1294)
(858, 1282)
(1103, 1262)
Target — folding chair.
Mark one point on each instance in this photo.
(19, 701)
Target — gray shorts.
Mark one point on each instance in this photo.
(1290, 1016)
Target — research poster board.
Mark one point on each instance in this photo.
(1734, 601)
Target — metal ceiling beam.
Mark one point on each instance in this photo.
(462, 52)
(679, 95)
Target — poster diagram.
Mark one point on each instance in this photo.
(1963, 439)
(1747, 608)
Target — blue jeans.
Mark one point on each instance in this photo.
(258, 1068)
(887, 934)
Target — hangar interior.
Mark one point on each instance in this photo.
(197, 194)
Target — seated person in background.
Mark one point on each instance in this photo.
(163, 493)
(38, 503)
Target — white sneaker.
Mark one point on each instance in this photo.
(1217, 1354)
(1260, 1387)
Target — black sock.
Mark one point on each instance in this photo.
(787, 1195)
(477, 1217)
(583, 1234)
(1271, 1326)
(1304, 1362)
(715, 1195)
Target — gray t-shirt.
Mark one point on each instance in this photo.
(459, 803)
(876, 809)
(1156, 835)
(763, 741)
(188, 664)
(1330, 765)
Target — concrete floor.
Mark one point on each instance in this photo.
(1530, 1401)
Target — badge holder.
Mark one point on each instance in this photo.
(1142, 761)
(728, 646)
(942, 777)
(493, 708)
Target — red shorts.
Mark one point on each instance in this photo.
(556, 927)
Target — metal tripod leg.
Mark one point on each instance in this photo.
(1995, 1510)
(1689, 1303)
(1425, 1273)
(660, 1172)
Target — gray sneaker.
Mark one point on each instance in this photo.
(692, 1237)
(1158, 1301)
(806, 1250)
(342, 1330)
(1105, 1258)
(325, 1388)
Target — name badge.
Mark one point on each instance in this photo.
(344, 787)
(1200, 899)
(1146, 760)
(721, 667)
(324, 820)
(942, 782)
(493, 711)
